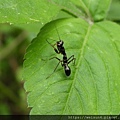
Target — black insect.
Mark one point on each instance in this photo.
(64, 62)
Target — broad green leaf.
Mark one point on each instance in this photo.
(114, 12)
(92, 87)
(43, 11)
(95, 9)
(28, 11)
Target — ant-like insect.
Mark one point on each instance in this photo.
(61, 50)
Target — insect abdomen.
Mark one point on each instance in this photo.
(67, 70)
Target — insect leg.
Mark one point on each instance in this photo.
(53, 47)
(58, 59)
(56, 66)
(71, 59)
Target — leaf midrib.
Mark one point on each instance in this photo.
(79, 63)
(86, 9)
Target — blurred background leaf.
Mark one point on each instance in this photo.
(13, 42)
(114, 12)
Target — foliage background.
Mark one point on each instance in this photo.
(15, 36)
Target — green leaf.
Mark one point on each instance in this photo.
(43, 11)
(95, 9)
(92, 87)
(114, 13)
(28, 11)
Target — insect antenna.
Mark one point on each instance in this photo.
(57, 32)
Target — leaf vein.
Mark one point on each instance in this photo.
(93, 80)
(79, 62)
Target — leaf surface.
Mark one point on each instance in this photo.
(29, 11)
(114, 13)
(96, 9)
(92, 87)
(42, 11)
